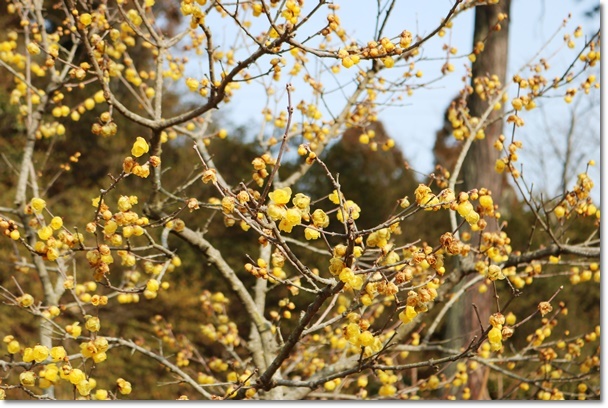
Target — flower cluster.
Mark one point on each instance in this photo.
(131, 166)
(417, 300)
(55, 240)
(259, 166)
(358, 335)
(495, 336)
(578, 201)
(49, 366)
(288, 217)
(347, 208)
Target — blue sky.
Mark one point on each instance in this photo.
(413, 124)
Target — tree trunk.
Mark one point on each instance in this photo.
(478, 170)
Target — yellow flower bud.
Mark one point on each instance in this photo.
(152, 285)
(13, 347)
(486, 202)
(56, 223)
(124, 387)
(26, 300)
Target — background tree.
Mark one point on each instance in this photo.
(488, 74)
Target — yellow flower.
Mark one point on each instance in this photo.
(209, 176)
(50, 373)
(153, 285)
(101, 394)
(26, 300)
(88, 349)
(329, 386)
(100, 357)
(192, 84)
(13, 347)
(257, 9)
(285, 226)
(346, 274)
(84, 387)
(124, 203)
(495, 335)
(74, 329)
(351, 209)
(85, 19)
(320, 219)
(40, 353)
(102, 344)
(356, 282)
(140, 147)
(27, 378)
(389, 62)
(93, 324)
(465, 208)
(366, 338)
(544, 308)
(280, 196)
(497, 319)
(472, 218)
(408, 314)
(76, 376)
(141, 171)
(45, 233)
(347, 62)
(494, 273)
(293, 216)
(301, 201)
(517, 103)
(58, 353)
(33, 48)
(37, 204)
(486, 202)
(228, 203)
(387, 390)
(56, 223)
(310, 233)
(500, 166)
(423, 194)
(276, 212)
(333, 197)
(28, 355)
